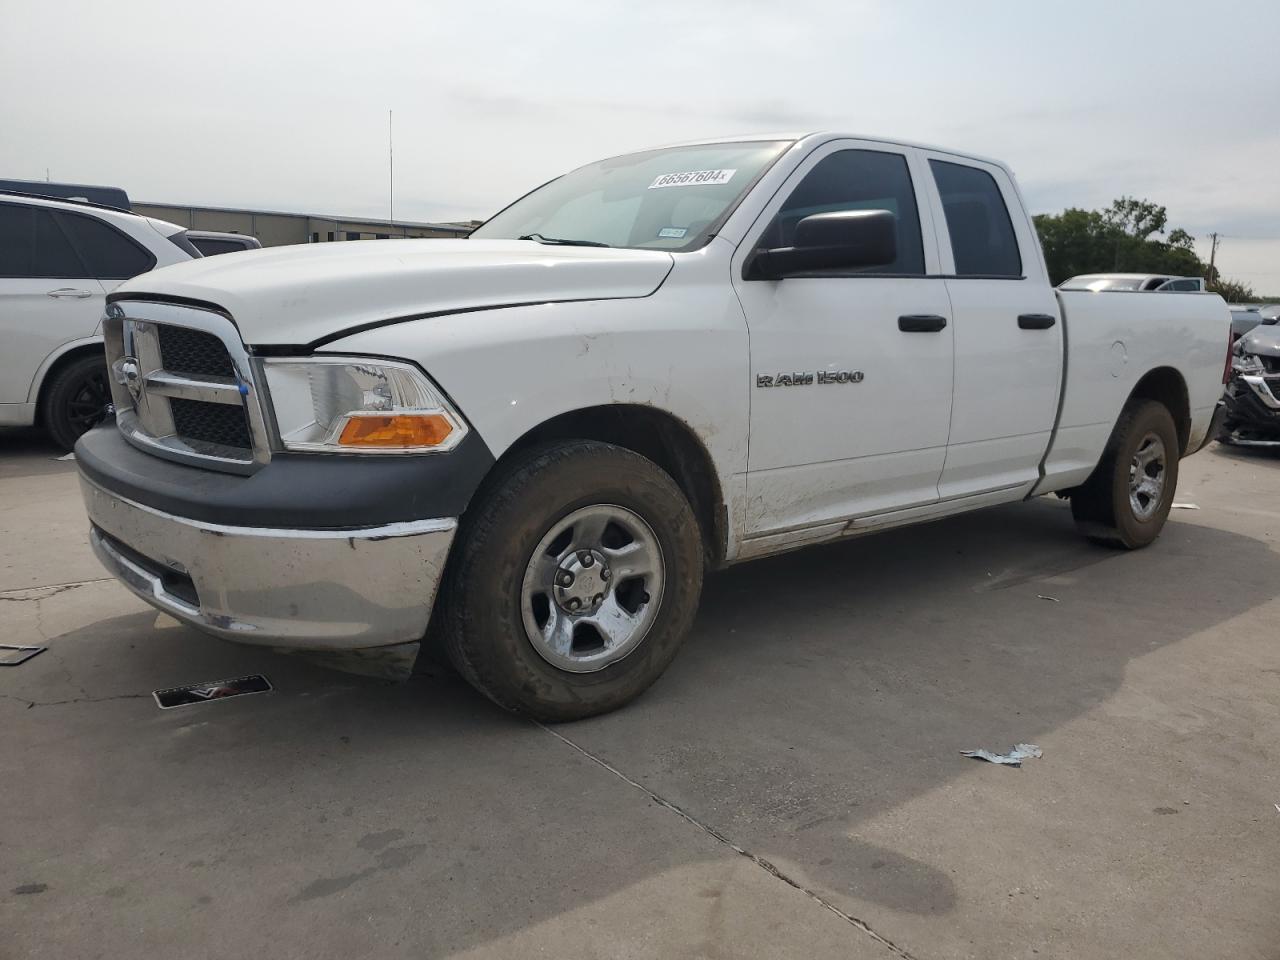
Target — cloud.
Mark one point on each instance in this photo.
(283, 105)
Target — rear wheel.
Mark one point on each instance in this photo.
(1126, 500)
(575, 580)
(76, 400)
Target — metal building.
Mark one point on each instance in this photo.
(276, 229)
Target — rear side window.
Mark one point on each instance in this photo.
(1181, 285)
(982, 237)
(857, 180)
(33, 245)
(110, 254)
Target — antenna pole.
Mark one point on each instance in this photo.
(391, 166)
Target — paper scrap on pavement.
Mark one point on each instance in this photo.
(1186, 506)
(1014, 758)
(66, 456)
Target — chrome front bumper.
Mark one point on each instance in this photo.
(320, 590)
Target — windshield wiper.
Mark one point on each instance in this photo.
(561, 242)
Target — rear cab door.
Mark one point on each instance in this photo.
(850, 404)
(1009, 336)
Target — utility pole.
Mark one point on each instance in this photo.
(1213, 254)
(391, 165)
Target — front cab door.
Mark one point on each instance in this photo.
(851, 369)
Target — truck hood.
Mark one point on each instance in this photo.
(1263, 339)
(303, 294)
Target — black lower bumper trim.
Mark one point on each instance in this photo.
(295, 491)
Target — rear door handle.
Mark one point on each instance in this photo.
(1036, 321)
(69, 292)
(921, 323)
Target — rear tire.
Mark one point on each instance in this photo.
(575, 580)
(1127, 498)
(76, 400)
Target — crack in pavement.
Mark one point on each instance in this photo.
(38, 593)
(59, 703)
(715, 834)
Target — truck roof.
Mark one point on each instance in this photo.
(814, 137)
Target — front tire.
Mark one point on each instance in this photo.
(1127, 498)
(574, 582)
(76, 400)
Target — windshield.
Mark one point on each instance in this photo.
(670, 199)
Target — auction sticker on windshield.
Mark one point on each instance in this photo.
(692, 178)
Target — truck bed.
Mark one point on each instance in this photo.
(1115, 338)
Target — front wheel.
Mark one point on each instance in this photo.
(1127, 498)
(574, 582)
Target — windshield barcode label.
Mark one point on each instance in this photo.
(691, 178)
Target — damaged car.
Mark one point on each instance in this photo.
(1252, 400)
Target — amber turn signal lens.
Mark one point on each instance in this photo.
(396, 430)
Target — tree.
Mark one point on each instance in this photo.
(1120, 239)
(1137, 218)
(1232, 291)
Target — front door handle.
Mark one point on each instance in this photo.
(69, 293)
(921, 323)
(1036, 321)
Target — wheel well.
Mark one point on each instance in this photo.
(662, 438)
(71, 356)
(1166, 386)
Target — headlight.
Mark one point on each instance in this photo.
(1247, 363)
(353, 405)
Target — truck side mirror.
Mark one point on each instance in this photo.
(843, 239)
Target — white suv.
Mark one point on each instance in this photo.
(58, 261)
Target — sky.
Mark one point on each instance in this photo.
(280, 105)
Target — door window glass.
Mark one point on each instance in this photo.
(982, 238)
(52, 253)
(16, 227)
(32, 245)
(856, 180)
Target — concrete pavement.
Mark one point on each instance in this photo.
(792, 787)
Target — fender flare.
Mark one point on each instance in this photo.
(52, 360)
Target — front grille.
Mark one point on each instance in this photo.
(183, 350)
(218, 423)
(184, 389)
(1270, 364)
(1273, 383)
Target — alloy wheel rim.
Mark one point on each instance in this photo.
(87, 407)
(1147, 472)
(592, 588)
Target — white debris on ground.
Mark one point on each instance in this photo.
(1014, 758)
(1186, 506)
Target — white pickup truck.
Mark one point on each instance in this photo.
(534, 441)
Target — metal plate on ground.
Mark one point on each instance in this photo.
(11, 656)
(208, 692)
